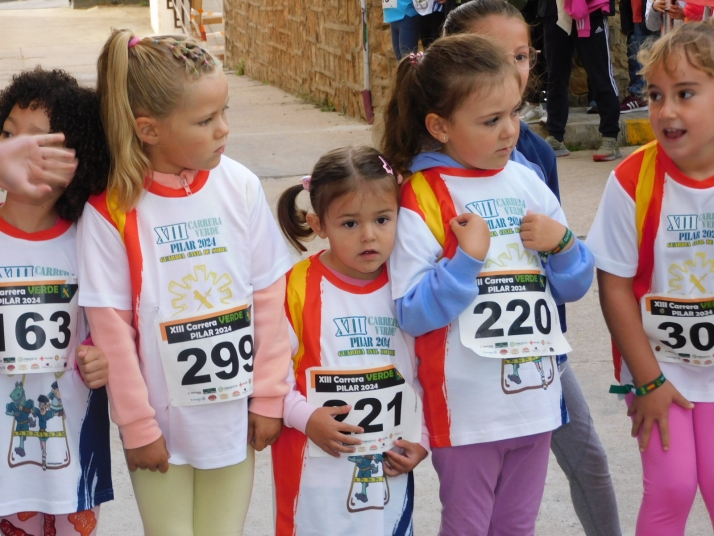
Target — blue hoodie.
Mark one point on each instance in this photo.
(443, 294)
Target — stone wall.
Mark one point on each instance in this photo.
(313, 48)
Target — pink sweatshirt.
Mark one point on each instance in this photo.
(113, 332)
(580, 11)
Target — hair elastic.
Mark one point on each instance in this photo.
(306, 182)
(133, 41)
(414, 59)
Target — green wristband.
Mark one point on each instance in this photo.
(649, 387)
(567, 237)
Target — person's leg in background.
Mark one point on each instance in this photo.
(533, 96)
(635, 101)
(405, 36)
(430, 27)
(580, 454)
(559, 61)
(703, 414)
(594, 52)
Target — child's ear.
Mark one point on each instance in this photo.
(148, 131)
(314, 222)
(438, 127)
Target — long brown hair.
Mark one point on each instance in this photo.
(148, 78)
(439, 82)
(339, 172)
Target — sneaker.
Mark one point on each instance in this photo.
(592, 108)
(609, 150)
(558, 147)
(532, 113)
(633, 104)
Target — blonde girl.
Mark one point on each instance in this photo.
(184, 272)
(653, 251)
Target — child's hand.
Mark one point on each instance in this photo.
(329, 434)
(398, 464)
(93, 366)
(541, 233)
(152, 457)
(263, 431)
(654, 406)
(472, 232)
(31, 166)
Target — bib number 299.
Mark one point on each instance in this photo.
(224, 355)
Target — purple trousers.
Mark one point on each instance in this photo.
(492, 489)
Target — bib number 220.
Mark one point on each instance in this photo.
(541, 314)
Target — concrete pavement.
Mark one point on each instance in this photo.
(280, 138)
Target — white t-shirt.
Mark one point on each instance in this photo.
(342, 326)
(468, 398)
(683, 250)
(195, 254)
(54, 430)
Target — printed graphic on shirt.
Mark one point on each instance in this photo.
(520, 374)
(368, 470)
(29, 523)
(365, 335)
(502, 214)
(688, 230)
(201, 290)
(187, 239)
(39, 436)
(681, 330)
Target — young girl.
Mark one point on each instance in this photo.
(341, 312)
(182, 270)
(482, 254)
(576, 446)
(55, 470)
(652, 243)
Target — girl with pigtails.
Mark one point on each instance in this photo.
(183, 278)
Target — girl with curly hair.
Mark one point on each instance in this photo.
(55, 427)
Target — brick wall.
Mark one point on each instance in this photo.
(313, 48)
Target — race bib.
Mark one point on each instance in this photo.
(208, 358)
(389, 4)
(514, 314)
(680, 330)
(383, 404)
(38, 324)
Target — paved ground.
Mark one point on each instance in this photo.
(280, 138)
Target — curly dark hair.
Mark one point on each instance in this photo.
(74, 111)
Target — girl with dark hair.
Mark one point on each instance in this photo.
(482, 256)
(56, 471)
(576, 445)
(345, 332)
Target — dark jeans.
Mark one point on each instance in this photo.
(430, 27)
(405, 36)
(635, 39)
(594, 52)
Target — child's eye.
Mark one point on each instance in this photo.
(204, 122)
(491, 122)
(654, 96)
(686, 94)
(350, 224)
(5, 135)
(382, 220)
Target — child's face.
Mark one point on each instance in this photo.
(360, 227)
(194, 136)
(483, 132)
(681, 111)
(510, 34)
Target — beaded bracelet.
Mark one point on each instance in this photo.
(567, 237)
(640, 391)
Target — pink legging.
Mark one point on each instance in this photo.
(671, 477)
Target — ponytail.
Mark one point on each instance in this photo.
(141, 77)
(450, 70)
(293, 220)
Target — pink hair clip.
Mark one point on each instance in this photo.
(389, 170)
(134, 41)
(306, 182)
(414, 59)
